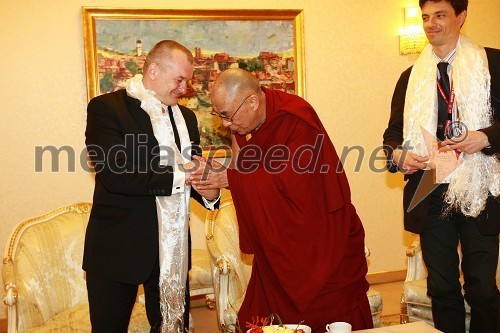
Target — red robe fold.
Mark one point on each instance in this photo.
(296, 217)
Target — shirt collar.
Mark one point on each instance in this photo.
(449, 58)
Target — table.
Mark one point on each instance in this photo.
(416, 327)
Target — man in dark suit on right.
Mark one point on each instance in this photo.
(457, 102)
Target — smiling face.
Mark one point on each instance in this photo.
(442, 26)
(169, 78)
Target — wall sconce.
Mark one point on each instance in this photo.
(412, 38)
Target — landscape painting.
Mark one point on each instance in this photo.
(266, 43)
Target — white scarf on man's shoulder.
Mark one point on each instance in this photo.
(173, 210)
(478, 174)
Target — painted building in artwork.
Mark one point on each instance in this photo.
(138, 47)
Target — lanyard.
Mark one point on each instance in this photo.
(449, 102)
(448, 124)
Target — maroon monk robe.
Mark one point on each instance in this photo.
(296, 217)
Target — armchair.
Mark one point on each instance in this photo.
(231, 268)
(200, 275)
(415, 304)
(44, 282)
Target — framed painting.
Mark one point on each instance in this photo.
(268, 43)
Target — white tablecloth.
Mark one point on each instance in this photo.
(416, 327)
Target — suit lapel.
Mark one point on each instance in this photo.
(140, 116)
(144, 122)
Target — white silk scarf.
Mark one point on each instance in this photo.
(173, 210)
(478, 174)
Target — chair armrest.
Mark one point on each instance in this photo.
(10, 298)
(231, 269)
(221, 271)
(416, 267)
(413, 249)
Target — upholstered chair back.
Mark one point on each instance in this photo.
(45, 255)
(45, 288)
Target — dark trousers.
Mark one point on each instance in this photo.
(439, 241)
(111, 303)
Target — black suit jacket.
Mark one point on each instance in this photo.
(489, 220)
(121, 241)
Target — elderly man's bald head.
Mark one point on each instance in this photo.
(236, 81)
(239, 101)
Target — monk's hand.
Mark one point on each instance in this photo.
(469, 142)
(409, 163)
(212, 176)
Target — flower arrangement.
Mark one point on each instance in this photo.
(265, 325)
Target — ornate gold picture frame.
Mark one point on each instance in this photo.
(269, 43)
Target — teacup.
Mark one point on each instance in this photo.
(339, 327)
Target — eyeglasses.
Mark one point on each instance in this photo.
(224, 117)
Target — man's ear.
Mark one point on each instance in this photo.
(254, 102)
(462, 17)
(152, 71)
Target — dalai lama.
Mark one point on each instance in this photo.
(294, 208)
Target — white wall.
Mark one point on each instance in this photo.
(352, 63)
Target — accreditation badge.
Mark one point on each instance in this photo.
(445, 163)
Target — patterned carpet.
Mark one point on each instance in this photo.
(389, 320)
